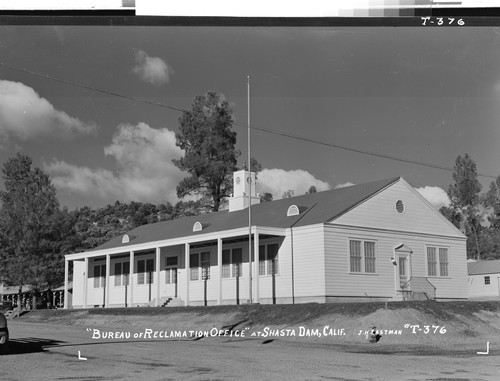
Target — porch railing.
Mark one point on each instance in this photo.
(418, 288)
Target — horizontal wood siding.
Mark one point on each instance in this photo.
(309, 261)
(380, 212)
(340, 282)
(478, 288)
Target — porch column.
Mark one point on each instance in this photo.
(157, 302)
(85, 282)
(188, 273)
(256, 265)
(66, 270)
(219, 269)
(131, 279)
(106, 280)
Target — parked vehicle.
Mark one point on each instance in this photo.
(4, 332)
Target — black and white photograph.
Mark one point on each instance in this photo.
(260, 199)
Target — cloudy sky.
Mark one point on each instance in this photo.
(422, 95)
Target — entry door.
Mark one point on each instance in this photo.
(403, 270)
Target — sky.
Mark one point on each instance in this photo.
(420, 94)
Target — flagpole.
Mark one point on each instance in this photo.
(249, 201)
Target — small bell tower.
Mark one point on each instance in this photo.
(243, 185)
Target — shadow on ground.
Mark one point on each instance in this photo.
(28, 345)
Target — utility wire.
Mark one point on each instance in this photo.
(253, 127)
(88, 87)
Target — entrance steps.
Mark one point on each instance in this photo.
(173, 302)
(167, 302)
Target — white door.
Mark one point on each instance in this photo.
(403, 270)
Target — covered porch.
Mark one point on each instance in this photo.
(203, 269)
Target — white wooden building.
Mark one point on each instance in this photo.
(484, 279)
(376, 241)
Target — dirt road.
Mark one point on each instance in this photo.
(51, 352)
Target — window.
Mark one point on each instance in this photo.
(199, 262)
(226, 263)
(122, 269)
(431, 261)
(268, 259)
(443, 261)
(145, 271)
(486, 280)
(172, 261)
(99, 276)
(194, 266)
(171, 270)
(437, 261)
(232, 263)
(362, 256)
(370, 257)
(171, 276)
(205, 265)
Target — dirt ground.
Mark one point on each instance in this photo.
(419, 341)
(41, 351)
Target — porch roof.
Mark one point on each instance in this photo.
(315, 208)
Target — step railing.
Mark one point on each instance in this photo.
(418, 288)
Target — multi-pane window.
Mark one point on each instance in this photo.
(99, 276)
(355, 256)
(362, 256)
(268, 259)
(431, 261)
(232, 263)
(171, 270)
(205, 265)
(226, 263)
(194, 266)
(443, 261)
(486, 280)
(199, 262)
(171, 276)
(145, 271)
(437, 261)
(122, 270)
(369, 257)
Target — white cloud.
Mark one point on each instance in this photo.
(24, 114)
(435, 195)
(344, 185)
(278, 181)
(152, 70)
(145, 171)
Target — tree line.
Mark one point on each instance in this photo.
(476, 214)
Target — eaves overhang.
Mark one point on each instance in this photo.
(177, 241)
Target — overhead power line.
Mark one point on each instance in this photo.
(88, 87)
(252, 126)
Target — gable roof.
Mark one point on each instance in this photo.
(484, 267)
(317, 207)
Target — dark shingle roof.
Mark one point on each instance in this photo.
(319, 207)
(484, 267)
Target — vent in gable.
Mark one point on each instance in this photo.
(400, 206)
(125, 238)
(198, 226)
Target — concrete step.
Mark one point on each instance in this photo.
(175, 302)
